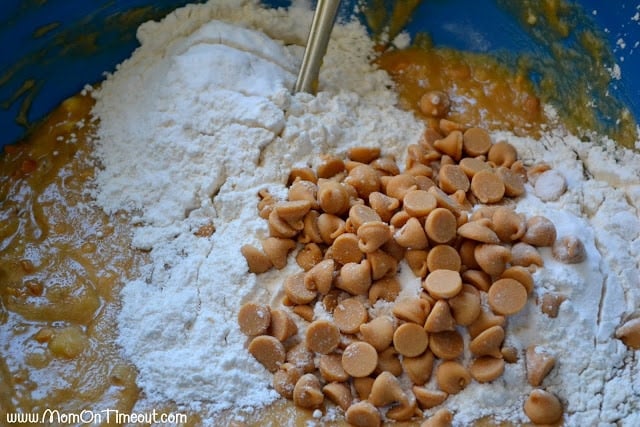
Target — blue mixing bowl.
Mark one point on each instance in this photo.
(51, 49)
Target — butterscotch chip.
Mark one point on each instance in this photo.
(445, 201)
(254, 319)
(413, 310)
(296, 290)
(349, 315)
(304, 190)
(502, 154)
(492, 259)
(322, 336)
(442, 418)
(451, 144)
(363, 154)
(525, 255)
(378, 332)
(443, 257)
(345, 249)
(360, 214)
(300, 356)
(311, 231)
(486, 369)
(472, 165)
(417, 261)
(364, 179)
(441, 225)
(384, 205)
(452, 178)
(282, 325)
(330, 367)
(329, 166)
(398, 186)
(467, 256)
(285, 379)
(308, 256)
(382, 264)
(509, 354)
(543, 407)
(428, 399)
(355, 278)
(292, 212)
(540, 231)
(513, 182)
(478, 231)
(372, 235)
(387, 289)
(487, 186)
(268, 351)
(257, 261)
(330, 227)
(419, 368)
(385, 166)
(410, 339)
(476, 142)
(440, 318)
(538, 364)
(359, 359)
(333, 197)
(399, 219)
(629, 333)
(419, 203)
(277, 250)
(443, 283)
(338, 393)
(447, 126)
(484, 321)
(452, 377)
(412, 235)
(386, 389)
(363, 387)
(488, 342)
(465, 306)
(508, 224)
(363, 414)
(569, 249)
(478, 278)
(320, 276)
(419, 170)
(304, 311)
(389, 361)
(308, 393)
(507, 296)
(301, 174)
(446, 345)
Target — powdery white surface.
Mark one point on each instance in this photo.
(191, 127)
(200, 118)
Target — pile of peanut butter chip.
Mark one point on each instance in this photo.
(450, 217)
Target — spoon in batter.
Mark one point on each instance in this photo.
(321, 26)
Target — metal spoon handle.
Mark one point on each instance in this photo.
(319, 35)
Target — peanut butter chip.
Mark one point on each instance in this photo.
(441, 225)
(338, 393)
(296, 290)
(308, 256)
(282, 325)
(446, 345)
(507, 296)
(487, 186)
(502, 154)
(363, 414)
(364, 179)
(452, 178)
(359, 214)
(285, 378)
(373, 235)
(450, 145)
(486, 369)
(478, 231)
(398, 186)
(442, 418)
(543, 407)
(492, 259)
(388, 360)
(488, 342)
(330, 367)
(443, 283)
(513, 182)
(440, 318)
(419, 368)
(443, 257)
(629, 333)
(320, 276)
(569, 249)
(382, 264)
(346, 249)
(355, 278)
(472, 165)
(329, 166)
(410, 339)
(257, 261)
(277, 250)
(476, 142)
(378, 332)
(386, 389)
(540, 231)
(466, 305)
(322, 336)
(452, 377)
(349, 315)
(485, 320)
(363, 154)
(525, 255)
(383, 205)
(254, 319)
(428, 399)
(413, 310)
(268, 351)
(307, 392)
(333, 197)
(359, 359)
(419, 203)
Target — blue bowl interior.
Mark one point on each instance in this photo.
(52, 49)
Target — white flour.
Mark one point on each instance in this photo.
(201, 117)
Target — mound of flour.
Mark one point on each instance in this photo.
(201, 117)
